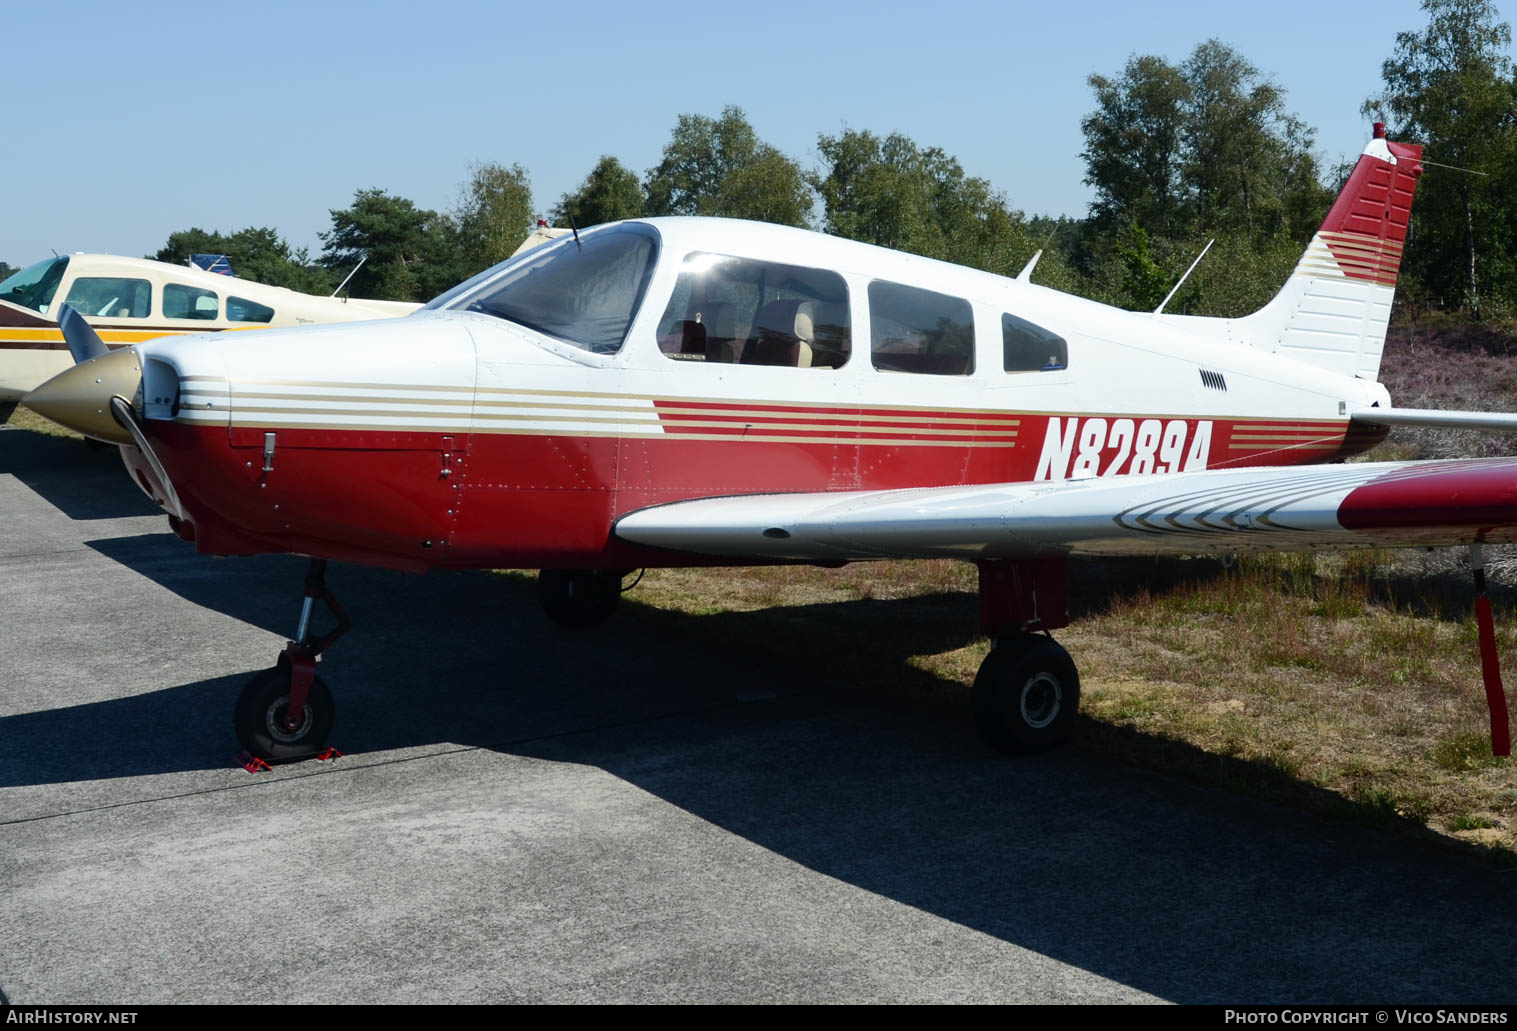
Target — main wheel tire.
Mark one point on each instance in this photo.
(1026, 695)
(260, 715)
(579, 597)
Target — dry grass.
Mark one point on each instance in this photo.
(26, 419)
(1341, 685)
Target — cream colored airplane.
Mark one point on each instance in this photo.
(129, 300)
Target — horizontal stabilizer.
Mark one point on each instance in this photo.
(1433, 417)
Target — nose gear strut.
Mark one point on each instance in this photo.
(284, 714)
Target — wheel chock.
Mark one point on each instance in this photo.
(250, 762)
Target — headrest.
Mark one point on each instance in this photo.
(787, 318)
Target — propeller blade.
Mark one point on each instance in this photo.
(83, 342)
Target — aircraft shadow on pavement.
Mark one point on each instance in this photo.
(1186, 893)
(81, 482)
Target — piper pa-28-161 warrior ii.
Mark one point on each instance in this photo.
(693, 391)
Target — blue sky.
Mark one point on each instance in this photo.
(129, 122)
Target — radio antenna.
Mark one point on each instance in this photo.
(351, 274)
(1186, 276)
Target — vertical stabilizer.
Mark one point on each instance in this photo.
(1333, 311)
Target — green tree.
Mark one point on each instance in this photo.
(1248, 163)
(1144, 283)
(1134, 144)
(256, 253)
(893, 193)
(394, 234)
(720, 167)
(7, 270)
(493, 216)
(1206, 146)
(1451, 87)
(610, 192)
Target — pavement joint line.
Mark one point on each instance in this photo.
(42, 554)
(376, 764)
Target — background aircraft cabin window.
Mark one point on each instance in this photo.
(111, 297)
(239, 309)
(746, 312)
(583, 293)
(915, 330)
(1031, 348)
(33, 287)
(189, 302)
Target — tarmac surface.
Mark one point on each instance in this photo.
(530, 814)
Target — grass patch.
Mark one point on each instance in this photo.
(25, 419)
(1347, 685)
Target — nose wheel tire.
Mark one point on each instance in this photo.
(261, 717)
(1026, 695)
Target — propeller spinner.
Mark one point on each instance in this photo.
(80, 398)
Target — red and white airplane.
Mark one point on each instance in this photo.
(670, 392)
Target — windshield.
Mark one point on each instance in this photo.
(33, 287)
(584, 293)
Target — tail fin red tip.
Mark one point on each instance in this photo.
(1366, 228)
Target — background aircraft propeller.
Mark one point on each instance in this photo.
(83, 342)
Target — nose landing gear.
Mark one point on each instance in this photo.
(285, 714)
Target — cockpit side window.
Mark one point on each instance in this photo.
(189, 302)
(921, 331)
(33, 287)
(240, 309)
(584, 293)
(112, 297)
(1028, 347)
(748, 312)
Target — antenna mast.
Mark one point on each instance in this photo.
(1186, 276)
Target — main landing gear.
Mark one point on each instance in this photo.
(1027, 691)
(579, 597)
(285, 714)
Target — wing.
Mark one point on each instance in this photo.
(1386, 504)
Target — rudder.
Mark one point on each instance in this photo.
(1334, 309)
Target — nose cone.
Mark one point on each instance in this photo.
(80, 398)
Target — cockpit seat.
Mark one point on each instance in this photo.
(782, 335)
(688, 341)
(721, 332)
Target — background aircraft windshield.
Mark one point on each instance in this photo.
(584, 294)
(33, 287)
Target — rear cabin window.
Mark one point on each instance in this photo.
(584, 292)
(189, 302)
(239, 309)
(915, 330)
(110, 297)
(740, 311)
(1027, 347)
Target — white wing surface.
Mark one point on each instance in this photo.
(1387, 504)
